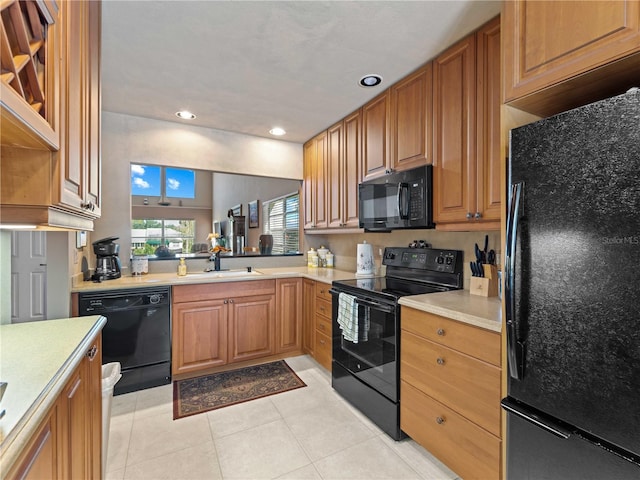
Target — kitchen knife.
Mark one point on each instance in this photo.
(480, 268)
(473, 269)
(486, 246)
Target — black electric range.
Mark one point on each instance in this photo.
(366, 369)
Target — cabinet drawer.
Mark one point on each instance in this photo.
(323, 325)
(464, 447)
(220, 290)
(322, 291)
(322, 351)
(474, 341)
(467, 385)
(323, 307)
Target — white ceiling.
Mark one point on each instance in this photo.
(248, 66)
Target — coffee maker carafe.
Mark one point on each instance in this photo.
(107, 262)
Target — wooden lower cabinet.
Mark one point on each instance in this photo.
(288, 312)
(219, 324)
(308, 315)
(317, 322)
(68, 442)
(450, 392)
(466, 448)
(323, 347)
(199, 335)
(251, 327)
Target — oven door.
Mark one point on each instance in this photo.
(374, 358)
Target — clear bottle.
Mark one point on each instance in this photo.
(312, 258)
(182, 267)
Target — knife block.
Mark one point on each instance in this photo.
(486, 286)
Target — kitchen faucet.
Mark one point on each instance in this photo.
(215, 258)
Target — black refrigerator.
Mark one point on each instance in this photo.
(572, 295)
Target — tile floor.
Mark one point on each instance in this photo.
(308, 433)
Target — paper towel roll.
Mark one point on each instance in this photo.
(365, 259)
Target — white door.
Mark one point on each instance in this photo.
(28, 276)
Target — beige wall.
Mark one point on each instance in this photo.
(127, 139)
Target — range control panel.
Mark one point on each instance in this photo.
(433, 259)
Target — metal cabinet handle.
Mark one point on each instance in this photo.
(469, 216)
(231, 300)
(440, 332)
(88, 206)
(225, 301)
(321, 327)
(478, 216)
(440, 361)
(322, 342)
(439, 420)
(93, 351)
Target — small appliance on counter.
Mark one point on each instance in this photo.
(107, 262)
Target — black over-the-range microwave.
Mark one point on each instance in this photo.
(397, 200)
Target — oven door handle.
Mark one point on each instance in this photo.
(376, 306)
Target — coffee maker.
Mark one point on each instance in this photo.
(107, 262)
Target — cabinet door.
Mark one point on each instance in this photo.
(41, 457)
(375, 137)
(320, 183)
(489, 157)
(352, 168)
(288, 314)
(199, 335)
(308, 315)
(72, 152)
(455, 147)
(93, 161)
(251, 327)
(73, 426)
(411, 120)
(335, 175)
(549, 42)
(309, 159)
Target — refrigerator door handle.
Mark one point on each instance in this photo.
(515, 348)
(531, 417)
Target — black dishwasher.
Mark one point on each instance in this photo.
(137, 333)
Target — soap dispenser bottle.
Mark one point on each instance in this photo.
(182, 267)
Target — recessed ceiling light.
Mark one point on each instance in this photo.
(185, 115)
(370, 80)
(277, 131)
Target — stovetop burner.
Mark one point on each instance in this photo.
(411, 271)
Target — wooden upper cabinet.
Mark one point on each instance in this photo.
(488, 74)
(315, 186)
(467, 133)
(335, 174)
(455, 140)
(554, 44)
(309, 163)
(375, 137)
(343, 171)
(79, 156)
(352, 168)
(29, 86)
(411, 140)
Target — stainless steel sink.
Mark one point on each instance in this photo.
(225, 273)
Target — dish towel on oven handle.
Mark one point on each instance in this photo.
(348, 316)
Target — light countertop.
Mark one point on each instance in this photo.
(326, 275)
(460, 305)
(37, 359)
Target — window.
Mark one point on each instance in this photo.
(157, 181)
(282, 220)
(163, 238)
